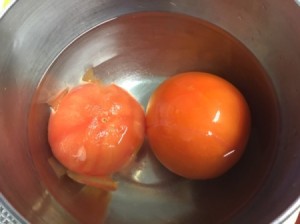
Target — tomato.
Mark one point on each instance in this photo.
(197, 124)
(94, 130)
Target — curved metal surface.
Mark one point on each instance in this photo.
(33, 33)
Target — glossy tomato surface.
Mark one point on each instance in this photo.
(96, 129)
(198, 125)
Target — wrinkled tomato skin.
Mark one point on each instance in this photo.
(198, 125)
(96, 129)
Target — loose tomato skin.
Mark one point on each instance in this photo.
(96, 129)
(198, 125)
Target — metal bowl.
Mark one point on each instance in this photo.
(48, 45)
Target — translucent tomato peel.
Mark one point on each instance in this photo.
(104, 182)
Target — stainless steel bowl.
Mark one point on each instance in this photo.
(47, 45)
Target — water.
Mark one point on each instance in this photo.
(138, 52)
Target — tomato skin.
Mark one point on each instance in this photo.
(96, 129)
(197, 124)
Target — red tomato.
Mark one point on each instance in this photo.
(198, 125)
(96, 129)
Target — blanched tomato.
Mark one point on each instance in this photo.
(96, 129)
(198, 125)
